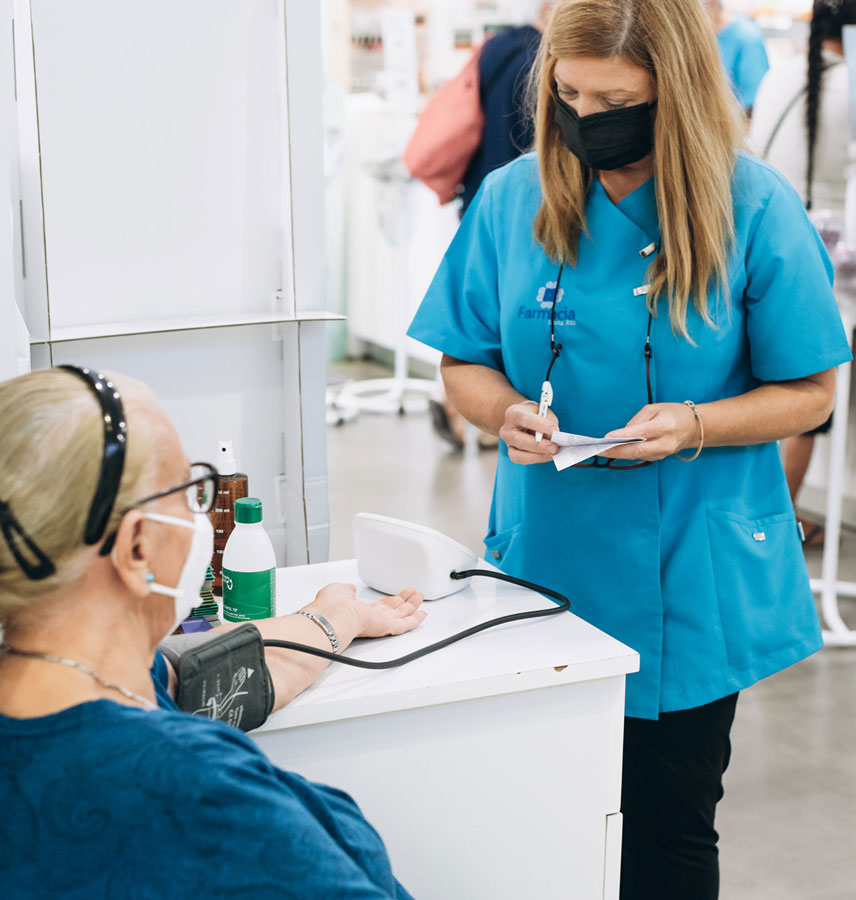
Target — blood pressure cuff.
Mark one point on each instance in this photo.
(223, 676)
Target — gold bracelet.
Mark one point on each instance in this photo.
(697, 414)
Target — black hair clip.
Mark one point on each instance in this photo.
(115, 431)
(15, 534)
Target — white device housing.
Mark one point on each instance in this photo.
(393, 554)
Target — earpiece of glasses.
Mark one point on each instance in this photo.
(200, 489)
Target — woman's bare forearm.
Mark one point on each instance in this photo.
(768, 413)
(291, 671)
(481, 394)
(771, 412)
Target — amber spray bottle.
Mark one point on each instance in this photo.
(231, 486)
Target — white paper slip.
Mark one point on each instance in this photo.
(577, 447)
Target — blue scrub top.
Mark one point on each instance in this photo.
(744, 58)
(697, 566)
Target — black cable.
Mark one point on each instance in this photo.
(564, 606)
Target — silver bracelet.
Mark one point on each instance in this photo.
(325, 626)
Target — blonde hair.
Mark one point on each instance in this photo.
(696, 133)
(50, 457)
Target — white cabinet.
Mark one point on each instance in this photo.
(491, 769)
(170, 159)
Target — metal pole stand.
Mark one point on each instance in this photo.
(398, 394)
(836, 633)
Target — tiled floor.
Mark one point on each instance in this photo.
(788, 820)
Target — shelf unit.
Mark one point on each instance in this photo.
(165, 326)
(166, 168)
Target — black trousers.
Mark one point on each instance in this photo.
(672, 781)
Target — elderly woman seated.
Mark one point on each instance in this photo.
(107, 789)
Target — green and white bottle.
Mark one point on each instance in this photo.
(249, 566)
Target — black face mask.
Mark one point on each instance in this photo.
(607, 140)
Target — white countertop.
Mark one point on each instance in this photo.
(519, 656)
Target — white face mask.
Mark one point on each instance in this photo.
(186, 592)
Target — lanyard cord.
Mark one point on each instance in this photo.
(563, 606)
(554, 347)
(557, 348)
(648, 354)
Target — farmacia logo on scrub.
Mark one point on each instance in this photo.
(543, 310)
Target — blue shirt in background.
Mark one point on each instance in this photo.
(744, 58)
(504, 67)
(108, 801)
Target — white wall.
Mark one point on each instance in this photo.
(175, 151)
(14, 347)
(160, 139)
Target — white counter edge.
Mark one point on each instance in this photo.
(316, 713)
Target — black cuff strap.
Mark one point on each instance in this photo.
(223, 677)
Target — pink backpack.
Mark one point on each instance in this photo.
(448, 133)
(450, 129)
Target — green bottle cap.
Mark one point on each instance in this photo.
(248, 511)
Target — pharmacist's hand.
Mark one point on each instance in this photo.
(667, 428)
(389, 615)
(521, 424)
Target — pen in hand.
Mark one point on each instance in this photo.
(543, 406)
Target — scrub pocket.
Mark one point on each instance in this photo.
(499, 547)
(765, 601)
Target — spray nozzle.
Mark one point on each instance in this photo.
(226, 464)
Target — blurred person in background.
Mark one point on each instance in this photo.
(742, 51)
(800, 127)
(504, 66)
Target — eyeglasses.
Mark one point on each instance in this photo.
(599, 462)
(200, 489)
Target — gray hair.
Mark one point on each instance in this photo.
(50, 457)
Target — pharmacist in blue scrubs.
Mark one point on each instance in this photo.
(669, 287)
